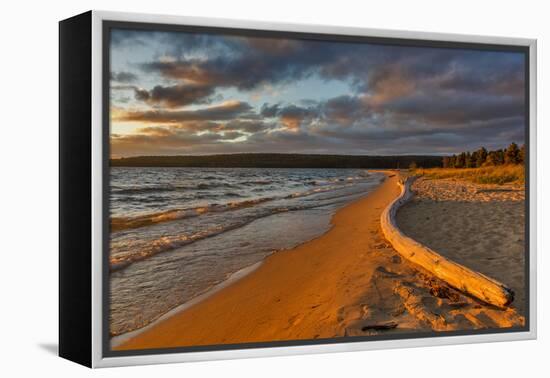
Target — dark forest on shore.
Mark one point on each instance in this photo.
(279, 161)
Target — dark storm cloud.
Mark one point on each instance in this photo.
(291, 116)
(342, 111)
(255, 61)
(490, 73)
(344, 120)
(141, 94)
(451, 109)
(477, 131)
(243, 74)
(270, 111)
(400, 99)
(345, 110)
(384, 72)
(176, 95)
(361, 140)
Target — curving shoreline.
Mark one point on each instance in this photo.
(170, 263)
(347, 282)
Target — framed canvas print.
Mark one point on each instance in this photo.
(233, 189)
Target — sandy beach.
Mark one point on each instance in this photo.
(479, 226)
(348, 282)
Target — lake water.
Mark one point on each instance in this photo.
(177, 232)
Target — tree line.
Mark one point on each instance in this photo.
(268, 160)
(482, 158)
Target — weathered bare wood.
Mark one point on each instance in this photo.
(456, 275)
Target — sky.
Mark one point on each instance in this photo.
(199, 94)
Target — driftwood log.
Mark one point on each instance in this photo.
(466, 280)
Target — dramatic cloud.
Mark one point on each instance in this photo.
(167, 140)
(297, 95)
(176, 95)
(247, 126)
(225, 111)
(292, 116)
(451, 109)
(244, 74)
(345, 110)
(270, 110)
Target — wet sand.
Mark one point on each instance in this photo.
(348, 282)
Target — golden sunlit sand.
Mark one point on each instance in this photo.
(348, 282)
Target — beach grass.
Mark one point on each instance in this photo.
(501, 174)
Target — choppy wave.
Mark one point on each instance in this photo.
(217, 207)
(171, 241)
(170, 188)
(167, 243)
(124, 223)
